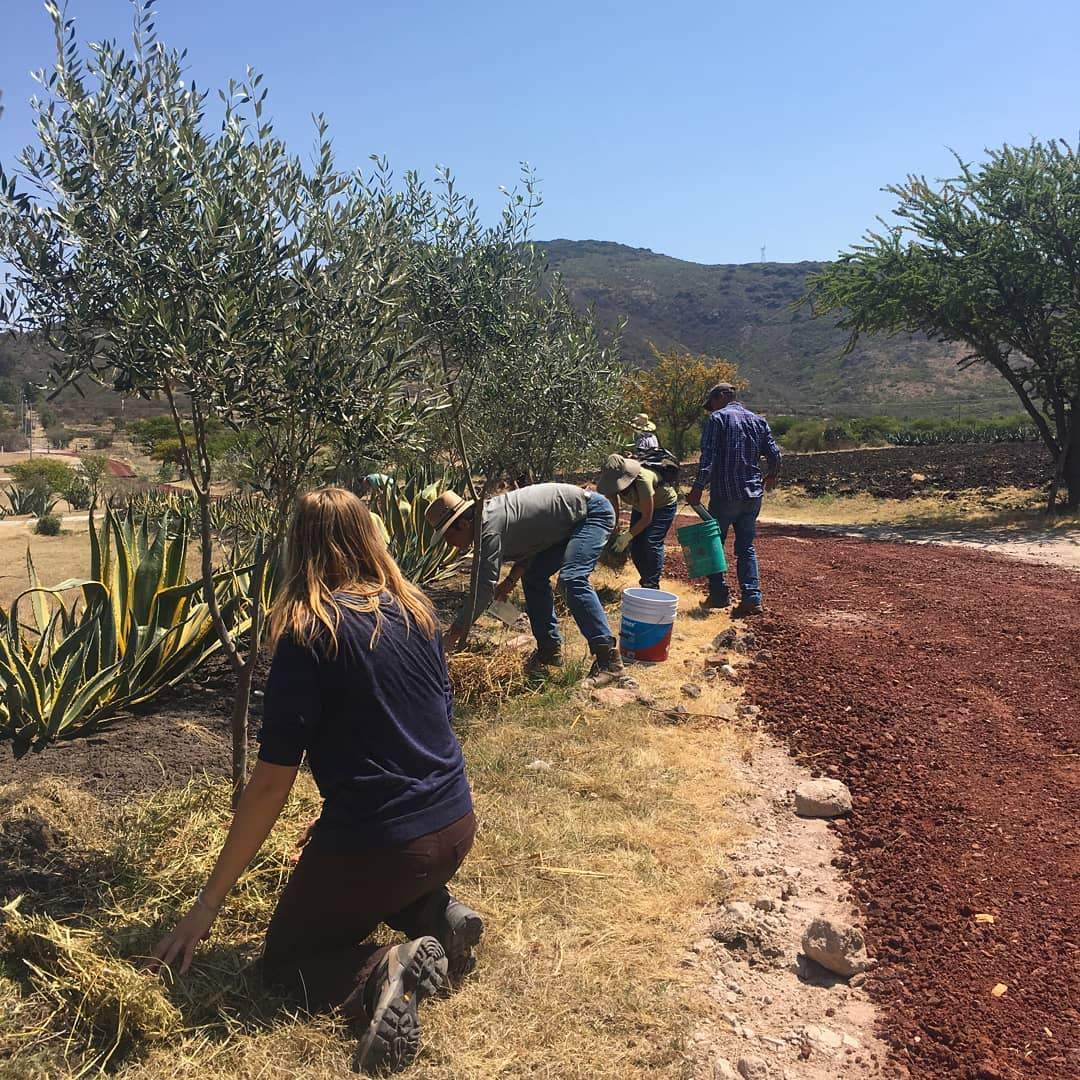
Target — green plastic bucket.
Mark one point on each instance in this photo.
(702, 549)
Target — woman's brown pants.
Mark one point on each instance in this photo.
(316, 944)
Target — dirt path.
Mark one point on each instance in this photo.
(1055, 547)
(943, 686)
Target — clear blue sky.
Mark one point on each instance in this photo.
(698, 129)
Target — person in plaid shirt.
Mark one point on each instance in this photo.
(733, 442)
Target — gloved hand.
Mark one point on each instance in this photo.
(621, 542)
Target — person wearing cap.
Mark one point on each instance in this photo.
(644, 434)
(373, 482)
(652, 504)
(540, 530)
(733, 442)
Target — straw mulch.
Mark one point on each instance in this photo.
(482, 679)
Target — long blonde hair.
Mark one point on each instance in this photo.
(336, 558)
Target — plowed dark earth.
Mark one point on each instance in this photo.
(944, 687)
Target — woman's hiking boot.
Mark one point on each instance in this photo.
(607, 664)
(460, 932)
(406, 976)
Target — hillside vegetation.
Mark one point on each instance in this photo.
(744, 313)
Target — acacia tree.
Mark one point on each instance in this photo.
(672, 390)
(210, 269)
(989, 259)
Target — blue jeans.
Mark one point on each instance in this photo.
(573, 560)
(743, 515)
(647, 550)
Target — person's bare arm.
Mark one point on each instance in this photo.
(259, 808)
(646, 508)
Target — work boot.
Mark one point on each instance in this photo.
(607, 664)
(746, 608)
(714, 602)
(459, 932)
(548, 655)
(406, 976)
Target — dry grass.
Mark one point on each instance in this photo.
(55, 557)
(1015, 507)
(601, 835)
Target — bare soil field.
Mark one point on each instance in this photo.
(901, 472)
(942, 686)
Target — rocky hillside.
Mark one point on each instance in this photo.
(745, 313)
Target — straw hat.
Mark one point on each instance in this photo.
(444, 511)
(641, 422)
(617, 475)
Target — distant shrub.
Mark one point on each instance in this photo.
(102, 442)
(48, 525)
(58, 436)
(144, 433)
(781, 425)
(805, 435)
(78, 494)
(12, 441)
(53, 475)
(841, 433)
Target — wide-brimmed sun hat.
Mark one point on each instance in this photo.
(617, 474)
(444, 511)
(641, 422)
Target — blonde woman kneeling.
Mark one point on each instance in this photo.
(359, 685)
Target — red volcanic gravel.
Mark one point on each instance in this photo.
(943, 686)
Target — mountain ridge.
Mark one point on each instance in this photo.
(744, 312)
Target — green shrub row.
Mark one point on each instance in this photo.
(800, 434)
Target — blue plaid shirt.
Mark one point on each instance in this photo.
(733, 442)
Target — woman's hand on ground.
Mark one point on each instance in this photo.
(503, 591)
(622, 542)
(452, 638)
(180, 944)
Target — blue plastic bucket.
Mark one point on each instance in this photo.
(648, 616)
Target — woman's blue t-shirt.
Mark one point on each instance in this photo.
(375, 724)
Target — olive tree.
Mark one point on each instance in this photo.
(469, 285)
(988, 259)
(529, 384)
(550, 399)
(210, 268)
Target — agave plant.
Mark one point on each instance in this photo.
(422, 559)
(30, 499)
(242, 516)
(135, 626)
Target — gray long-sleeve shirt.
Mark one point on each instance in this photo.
(519, 525)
